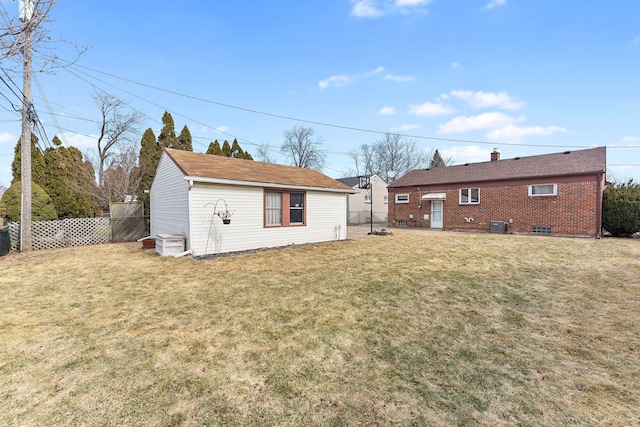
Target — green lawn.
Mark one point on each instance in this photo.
(417, 328)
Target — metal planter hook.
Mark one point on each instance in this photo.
(224, 214)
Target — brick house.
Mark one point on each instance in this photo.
(558, 194)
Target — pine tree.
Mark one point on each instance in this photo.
(226, 149)
(437, 160)
(214, 148)
(150, 153)
(184, 140)
(37, 162)
(66, 182)
(167, 137)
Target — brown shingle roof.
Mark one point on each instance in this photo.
(547, 165)
(207, 166)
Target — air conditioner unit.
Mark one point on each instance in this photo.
(498, 226)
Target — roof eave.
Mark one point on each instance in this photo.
(265, 184)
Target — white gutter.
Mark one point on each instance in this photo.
(191, 179)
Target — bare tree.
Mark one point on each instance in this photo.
(122, 178)
(117, 127)
(13, 41)
(390, 157)
(301, 149)
(264, 153)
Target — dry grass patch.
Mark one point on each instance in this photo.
(418, 328)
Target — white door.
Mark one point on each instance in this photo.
(436, 214)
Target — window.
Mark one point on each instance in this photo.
(543, 190)
(273, 208)
(386, 200)
(284, 208)
(402, 198)
(540, 230)
(296, 208)
(469, 196)
(367, 198)
(402, 223)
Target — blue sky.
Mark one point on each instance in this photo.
(526, 77)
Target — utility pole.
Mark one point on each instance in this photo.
(26, 13)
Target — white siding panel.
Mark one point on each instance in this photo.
(326, 220)
(169, 204)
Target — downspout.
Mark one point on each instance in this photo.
(190, 218)
(418, 219)
(599, 206)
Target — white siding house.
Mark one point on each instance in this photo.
(190, 189)
(359, 203)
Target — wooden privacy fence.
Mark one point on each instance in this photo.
(63, 233)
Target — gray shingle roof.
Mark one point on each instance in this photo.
(580, 162)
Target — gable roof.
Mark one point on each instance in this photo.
(579, 162)
(212, 168)
(354, 181)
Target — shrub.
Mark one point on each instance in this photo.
(42, 208)
(621, 209)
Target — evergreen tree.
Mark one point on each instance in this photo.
(150, 153)
(167, 137)
(621, 209)
(214, 148)
(238, 152)
(63, 179)
(42, 208)
(37, 162)
(437, 160)
(184, 140)
(226, 149)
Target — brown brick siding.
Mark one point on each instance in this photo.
(572, 212)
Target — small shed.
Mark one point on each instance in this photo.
(221, 204)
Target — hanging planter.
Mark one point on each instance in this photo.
(224, 214)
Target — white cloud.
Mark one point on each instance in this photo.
(467, 154)
(495, 3)
(483, 121)
(429, 109)
(377, 71)
(387, 111)
(7, 137)
(404, 128)
(513, 133)
(411, 3)
(77, 140)
(482, 99)
(221, 129)
(401, 79)
(636, 40)
(455, 66)
(339, 80)
(377, 8)
(625, 139)
(365, 9)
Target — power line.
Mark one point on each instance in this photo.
(351, 128)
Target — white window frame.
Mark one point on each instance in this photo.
(555, 190)
(386, 200)
(400, 198)
(367, 199)
(469, 190)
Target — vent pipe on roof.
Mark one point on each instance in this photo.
(495, 155)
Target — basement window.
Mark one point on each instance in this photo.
(541, 230)
(402, 198)
(543, 190)
(469, 196)
(402, 223)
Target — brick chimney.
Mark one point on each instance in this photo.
(495, 155)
